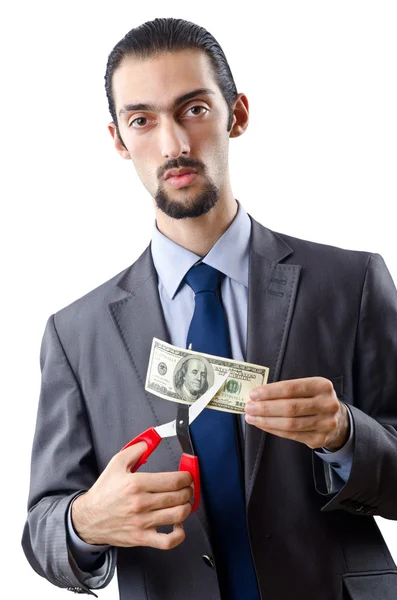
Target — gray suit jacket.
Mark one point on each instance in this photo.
(312, 310)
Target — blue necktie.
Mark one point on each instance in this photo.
(214, 436)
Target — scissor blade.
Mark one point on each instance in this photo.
(169, 429)
(202, 402)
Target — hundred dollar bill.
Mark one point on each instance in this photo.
(183, 375)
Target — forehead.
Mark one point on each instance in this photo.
(195, 364)
(159, 79)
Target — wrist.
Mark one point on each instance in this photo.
(81, 517)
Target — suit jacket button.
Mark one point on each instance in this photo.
(209, 561)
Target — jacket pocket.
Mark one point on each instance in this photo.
(371, 585)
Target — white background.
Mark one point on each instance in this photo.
(318, 161)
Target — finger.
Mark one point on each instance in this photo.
(162, 500)
(304, 387)
(162, 482)
(130, 456)
(313, 439)
(289, 424)
(165, 541)
(149, 501)
(167, 516)
(284, 407)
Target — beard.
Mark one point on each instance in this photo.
(188, 207)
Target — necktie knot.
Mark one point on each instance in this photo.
(203, 278)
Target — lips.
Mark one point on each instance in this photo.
(178, 172)
(181, 181)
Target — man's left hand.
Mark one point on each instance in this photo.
(306, 410)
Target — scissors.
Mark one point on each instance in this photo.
(180, 426)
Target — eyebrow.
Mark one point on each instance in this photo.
(175, 103)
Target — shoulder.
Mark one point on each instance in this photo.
(91, 305)
(318, 255)
(326, 270)
(307, 253)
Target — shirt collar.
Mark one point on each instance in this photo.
(230, 254)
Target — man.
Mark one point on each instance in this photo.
(191, 379)
(315, 468)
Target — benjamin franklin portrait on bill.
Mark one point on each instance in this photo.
(193, 376)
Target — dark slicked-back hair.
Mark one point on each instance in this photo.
(170, 35)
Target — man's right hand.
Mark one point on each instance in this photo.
(125, 509)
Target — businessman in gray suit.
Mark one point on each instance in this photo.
(318, 443)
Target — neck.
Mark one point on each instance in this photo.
(199, 234)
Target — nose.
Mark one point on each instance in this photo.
(174, 141)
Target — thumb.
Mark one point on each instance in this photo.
(131, 454)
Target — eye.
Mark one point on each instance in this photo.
(198, 106)
(140, 125)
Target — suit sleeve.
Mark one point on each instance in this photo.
(62, 466)
(371, 488)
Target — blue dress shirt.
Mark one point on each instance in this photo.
(230, 255)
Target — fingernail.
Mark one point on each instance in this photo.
(250, 418)
(254, 395)
(249, 407)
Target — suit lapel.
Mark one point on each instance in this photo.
(139, 318)
(271, 297)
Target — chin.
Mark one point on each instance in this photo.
(187, 206)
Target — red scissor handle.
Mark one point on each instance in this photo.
(152, 438)
(190, 463)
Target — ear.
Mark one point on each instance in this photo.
(117, 142)
(240, 116)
